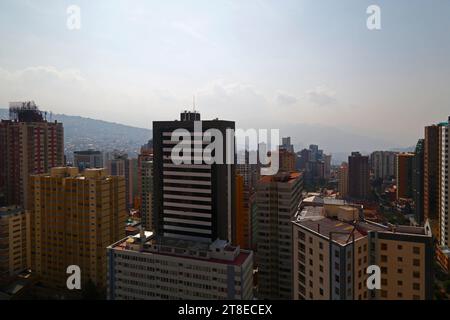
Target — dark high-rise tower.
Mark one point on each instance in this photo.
(192, 201)
(431, 175)
(358, 176)
(417, 179)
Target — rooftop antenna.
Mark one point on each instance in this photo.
(193, 102)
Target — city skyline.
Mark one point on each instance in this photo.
(254, 150)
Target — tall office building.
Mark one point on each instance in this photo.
(277, 201)
(192, 255)
(303, 158)
(74, 218)
(343, 180)
(29, 145)
(121, 165)
(192, 201)
(417, 181)
(287, 160)
(315, 152)
(431, 184)
(383, 164)
(145, 185)
(14, 241)
(327, 166)
(333, 247)
(358, 176)
(404, 176)
(87, 159)
(242, 226)
(250, 174)
(286, 144)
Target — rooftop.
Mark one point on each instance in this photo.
(317, 220)
(340, 232)
(10, 210)
(87, 152)
(220, 251)
(286, 177)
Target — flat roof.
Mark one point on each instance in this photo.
(184, 244)
(281, 177)
(10, 210)
(341, 232)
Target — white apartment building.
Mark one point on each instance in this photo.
(178, 269)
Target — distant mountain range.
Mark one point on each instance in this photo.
(84, 133)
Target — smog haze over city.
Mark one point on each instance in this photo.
(257, 155)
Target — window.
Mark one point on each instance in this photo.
(416, 262)
(301, 235)
(383, 246)
(416, 250)
(416, 286)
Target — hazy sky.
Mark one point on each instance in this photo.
(260, 63)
